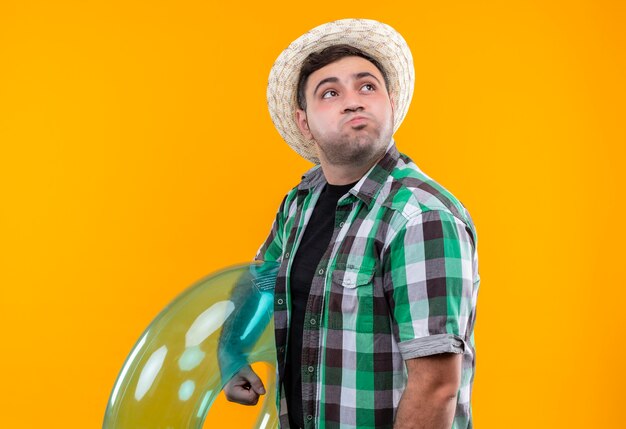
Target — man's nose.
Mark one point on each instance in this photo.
(352, 103)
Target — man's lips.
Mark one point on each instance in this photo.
(356, 121)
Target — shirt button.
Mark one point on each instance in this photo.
(311, 369)
(309, 417)
(312, 321)
(321, 271)
(280, 301)
(286, 255)
(341, 224)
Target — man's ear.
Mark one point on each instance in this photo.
(303, 124)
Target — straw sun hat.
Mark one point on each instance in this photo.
(376, 39)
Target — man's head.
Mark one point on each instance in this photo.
(375, 44)
(347, 112)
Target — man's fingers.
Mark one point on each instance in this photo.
(242, 395)
(255, 382)
(244, 388)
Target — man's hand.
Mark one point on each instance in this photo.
(245, 387)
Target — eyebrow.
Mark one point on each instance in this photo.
(366, 74)
(323, 81)
(356, 76)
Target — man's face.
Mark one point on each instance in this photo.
(349, 113)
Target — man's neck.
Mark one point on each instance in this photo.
(345, 174)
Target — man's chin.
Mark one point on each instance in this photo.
(352, 156)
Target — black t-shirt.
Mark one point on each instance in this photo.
(312, 247)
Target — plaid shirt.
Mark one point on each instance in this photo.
(399, 280)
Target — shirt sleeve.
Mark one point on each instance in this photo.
(233, 348)
(272, 248)
(429, 284)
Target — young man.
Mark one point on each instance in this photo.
(376, 294)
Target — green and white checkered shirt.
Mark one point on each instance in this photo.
(399, 280)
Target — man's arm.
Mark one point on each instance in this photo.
(245, 387)
(429, 399)
(430, 296)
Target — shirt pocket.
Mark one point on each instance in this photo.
(351, 303)
(352, 276)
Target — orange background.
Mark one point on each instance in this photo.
(137, 155)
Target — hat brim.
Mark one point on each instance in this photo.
(376, 39)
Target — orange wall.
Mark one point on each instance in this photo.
(137, 155)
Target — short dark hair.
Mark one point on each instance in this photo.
(317, 60)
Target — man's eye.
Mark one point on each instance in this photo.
(368, 87)
(329, 94)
